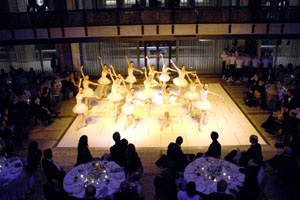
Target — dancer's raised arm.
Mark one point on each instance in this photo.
(123, 82)
(81, 70)
(101, 62)
(111, 75)
(113, 70)
(198, 80)
(127, 61)
(79, 84)
(175, 66)
(160, 83)
(148, 64)
(190, 80)
(221, 97)
(146, 76)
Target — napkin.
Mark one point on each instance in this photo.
(115, 184)
(118, 175)
(103, 192)
(77, 189)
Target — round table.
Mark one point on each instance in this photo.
(206, 172)
(106, 176)
(10, 178)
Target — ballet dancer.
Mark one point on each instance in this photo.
(166, 106)
(148, 92)
(103, 81)
(180, 81)
(131, 78)
(122, 90)
(192, 95)
(80, 108)
(164, 77)
(87, 91)
(152, 72)
(203, 104)
(129, 107)
(115, 95)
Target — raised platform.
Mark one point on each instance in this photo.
(225, 117)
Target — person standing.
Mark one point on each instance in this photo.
(232, 60)
(223, 62)
(246, 68)
(238, 68)
(255, 62)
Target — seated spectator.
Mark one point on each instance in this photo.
(51, 169)
(125, 192)
(133, 167)
(90, 192)
(285, 164)
(165, 185)
(46, 100)
(190, 193)
(169, 161)
(254, 152)
(33, 157)
(53, 192)
(220, 194)
(118, 150)
(214, 149)
(250, 189)
(41, 113)
(182, 159)
(83, 153)
(55, 90)
(272, 98)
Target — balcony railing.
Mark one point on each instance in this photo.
(200, 15)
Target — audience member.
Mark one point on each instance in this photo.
(90, 192)
(254, 152)
(165, 185)
(33, 157)
(214, 149)
(125, 192)
(190, 193)
(83, 153)
(118, 150)
(51, 169)
(133, 167)
(220, 194)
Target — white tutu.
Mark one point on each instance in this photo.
(166, 107)
(164, 77)
(104, 81)
(191, 95)
(130, 79)
(128, 109)
(148, 93)
(180, 82)
(203, 105)
(80, 108)
(115, 97)
(121, 90)
(88, 92)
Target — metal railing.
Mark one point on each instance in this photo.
(201, 15)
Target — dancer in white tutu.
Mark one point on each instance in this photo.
(103, 81)
(192, 95)
(166, 106)
(152, 72)
(115, 96)
(148, 92)
(129, 107)
(131, 78)
(180, 81)
(203, 104)
(87, 91)
(164, 77)
(80, 108)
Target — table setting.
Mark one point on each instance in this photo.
(206, 172)
(106, 176)
(10, 179)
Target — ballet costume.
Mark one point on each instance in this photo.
(148, 92)
(115, 96)
(166, 106)
(192, 95)
(80, 107)
(164, 77)
(103, 81)
(180, 80)
(129, 107)
(203, 103)
(87, 91)
(152, 73)
(130, 78)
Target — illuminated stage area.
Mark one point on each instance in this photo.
(224, 117)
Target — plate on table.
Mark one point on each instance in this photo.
(77, 189)
(115, 184)
(14, 170)
(190, 170)
(73, 172)
(201, 187)
(69, 180)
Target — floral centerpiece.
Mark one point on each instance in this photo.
(95, 174)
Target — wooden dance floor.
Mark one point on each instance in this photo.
(225, 118)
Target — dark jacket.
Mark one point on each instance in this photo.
(84, 156)
(254, 152)
(214, 150)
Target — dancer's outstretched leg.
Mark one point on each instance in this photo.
(101, 91)
(205, 118)
(105, 91)
(179, 93)
(164, 122)
(116, 110)
(130, 85)
(133, 120)
(201, 121)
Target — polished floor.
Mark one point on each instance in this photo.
(225, 117)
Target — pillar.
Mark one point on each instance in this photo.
(65, 56)
(75, 56)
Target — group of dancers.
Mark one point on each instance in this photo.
(120, 91)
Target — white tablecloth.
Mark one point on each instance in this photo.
(76, 179)
(10, 178)
(201, 172)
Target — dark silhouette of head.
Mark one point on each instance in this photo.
(33, 146)
(253, 139)
(83, 141)
(222, 186)
(116, 136)
(47, 154)
(214, 135)
(90, 191)
(179, 140)
(191, 189)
